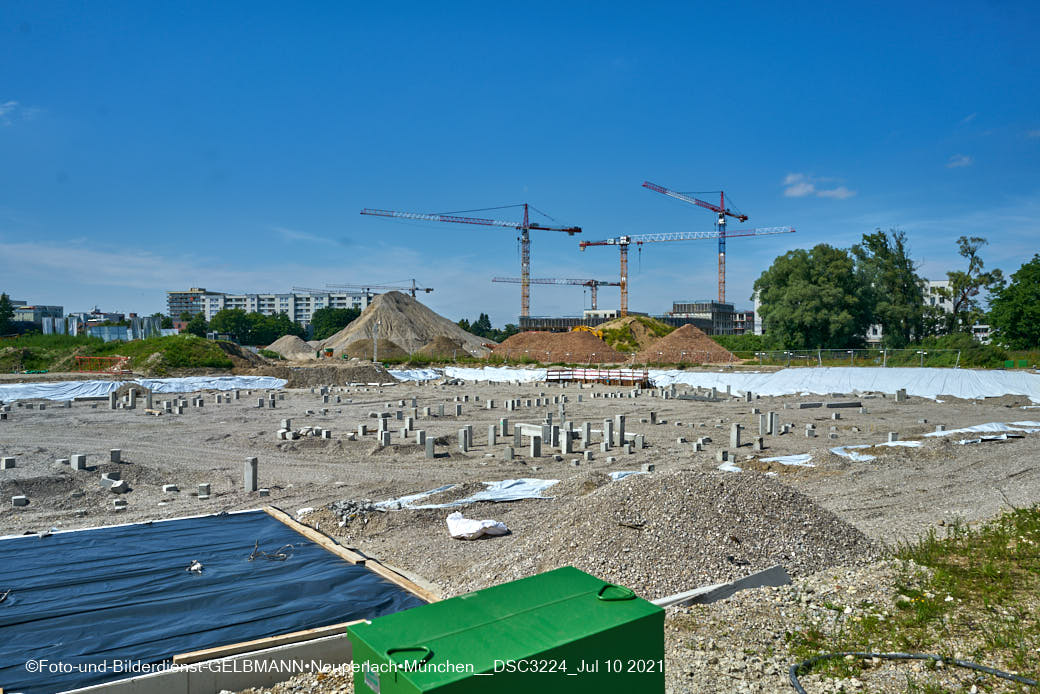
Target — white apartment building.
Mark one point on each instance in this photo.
(299, 306)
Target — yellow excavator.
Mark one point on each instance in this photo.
(587, 329)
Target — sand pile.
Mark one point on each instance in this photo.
(663, 533)
(362, 349)
(687, 345)
(633, 333)
(571, 347)
(405, 322)
(442, 346)
(292, 348)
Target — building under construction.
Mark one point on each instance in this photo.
(712, 317)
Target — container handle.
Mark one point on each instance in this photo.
(625, 593)
(406, 649)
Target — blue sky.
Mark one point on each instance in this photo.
(154, 146)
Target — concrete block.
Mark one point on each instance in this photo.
(264, 492)
(19, 501)
(430, 452)
(118, 504)
(734, 435)
(893, 436)
(492, 435)
(619, 426)
(940, 427)
(508, 453)
(250, 475)
(536, 446)
(7, 463)
(384, 438)
(721, 456)
(204, 489)
(648, 467)
(119, 487)
(759, 444)
(170, 489)
(79, 461)
(114, 455)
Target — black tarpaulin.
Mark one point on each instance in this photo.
(92, 597)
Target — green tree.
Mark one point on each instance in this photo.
(233, 322)
(891, 287)
(1015, 309)
(185, 316)
(197, 325)
(326, 322)
(813, 299)
(966, 286)
(6, 313)
(263, 330)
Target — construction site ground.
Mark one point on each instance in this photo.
(900, 495)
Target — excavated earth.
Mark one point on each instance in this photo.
(685, 524)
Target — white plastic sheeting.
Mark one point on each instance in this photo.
(500, 374)
(850, 453)
(504, 490)
(799, 460)
(71, 390)
(462, 528)
(729, 467)
(925, 383)
(990, 428)
(415, 374)
(622, 474)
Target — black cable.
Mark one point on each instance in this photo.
(806, 665)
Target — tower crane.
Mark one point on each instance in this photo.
(525, 240)
(722, 211)
(366, 288)
(593, 285)
(623, 242)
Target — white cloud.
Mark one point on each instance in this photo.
(968, 118)
(294, 235)
(12, 111)
(1033, 134)
(798, 185)
(959, 160)
(839, 193)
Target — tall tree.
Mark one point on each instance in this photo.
(891, 286)
(326, 322)
(966, 286)
(812, 299)
(1015, 309)
(6, 313)
(197, 325)
(233, 322)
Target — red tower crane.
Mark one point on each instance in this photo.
(623, 242)
(722, 211)
(593, 285)
(525, 240)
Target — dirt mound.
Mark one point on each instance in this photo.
(442, 346)
(633, 333)
(572, 347)
(663, 533)
(405, 322)
(292, 347)
(326, 374)
(362, 349)
(687, 345)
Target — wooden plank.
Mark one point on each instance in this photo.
(261, 644)
(353, 557)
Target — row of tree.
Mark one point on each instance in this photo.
(481, 327)
(245, 328)
(827, 297)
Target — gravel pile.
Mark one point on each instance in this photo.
(572, 347)
(664, 533)
(407, 323)
(292, 347)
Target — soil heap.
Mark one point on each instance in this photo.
(327, 372)
(292, 348)
(571, 347)
(687, 345)
(362, 349)
(442, 347)
(633, 333)
(664, 533)
(405, 322)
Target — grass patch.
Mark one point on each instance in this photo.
(57, 352)
(982, 588)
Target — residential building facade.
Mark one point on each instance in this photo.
(299, 306)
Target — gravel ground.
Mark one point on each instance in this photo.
(899, 495)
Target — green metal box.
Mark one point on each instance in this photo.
(560, 631)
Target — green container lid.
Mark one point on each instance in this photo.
(512, 621)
